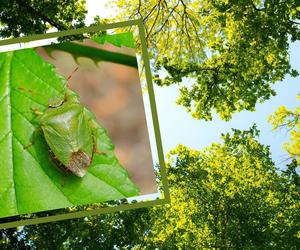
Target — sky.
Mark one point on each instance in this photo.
(177, 126)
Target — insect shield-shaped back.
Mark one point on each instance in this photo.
(69, 136)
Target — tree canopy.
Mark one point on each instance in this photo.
(234, 51)
(284, 118)
(229, 195)
(27, 17)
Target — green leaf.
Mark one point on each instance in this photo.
(78, 50)
(29, 179)
(294, 73)
(122, 39)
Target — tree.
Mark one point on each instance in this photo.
(27, 17)
(108, 231)
(234, 51)
(290, 120)
(229, 195)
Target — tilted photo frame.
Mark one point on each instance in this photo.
(99, 154)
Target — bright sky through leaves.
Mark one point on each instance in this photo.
(200, 134)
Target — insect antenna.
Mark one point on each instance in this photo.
(70, 76)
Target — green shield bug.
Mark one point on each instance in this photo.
(69, 133)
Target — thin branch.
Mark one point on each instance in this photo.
(175, 19)
(180, 41)
(225, 97)
(154, 22)
(139, 9)
(153, 8)
(286, 159)
(166, 20)
(194, 27)
(289, 124)
(188, 34)
(184, 6)
(167, 41)
(38, 14)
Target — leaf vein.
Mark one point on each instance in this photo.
(1, 100)
(37, 77)
(29, 97)
(2, 139)
(115, 188)
(12, 141)
(33, 157)
(22, 115)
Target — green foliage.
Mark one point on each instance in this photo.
(26, 17)
(79, 50)
(119, 40)
(108, 231)
(227, 196)
(10, 239)
(291, 173)
(234, 51)
(30, 181)
(289, 119)
(230, 195)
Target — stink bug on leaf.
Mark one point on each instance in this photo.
(69, 132)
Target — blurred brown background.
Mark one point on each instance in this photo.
(113, 93)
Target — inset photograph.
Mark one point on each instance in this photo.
(73, 129)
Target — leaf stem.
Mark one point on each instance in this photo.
(78, 50)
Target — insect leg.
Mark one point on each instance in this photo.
(95, 137)
(36, 111)
(32, 140)
(59, 166)
(95, 134)
(95, 144)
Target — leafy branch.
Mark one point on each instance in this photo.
(96, 54)
(32, 11)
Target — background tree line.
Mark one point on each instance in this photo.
(229, 195)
